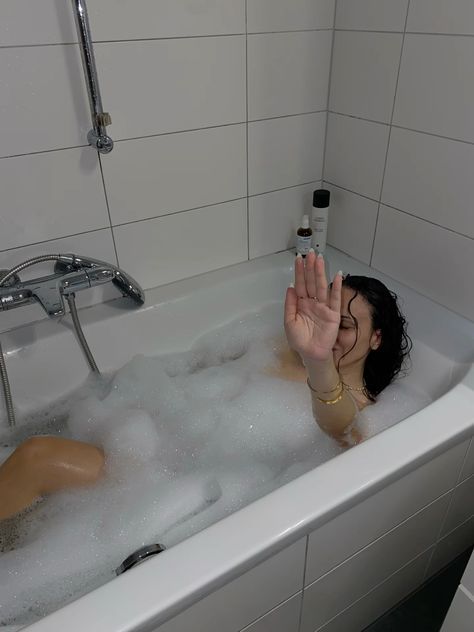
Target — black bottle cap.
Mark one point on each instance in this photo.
(321, 198)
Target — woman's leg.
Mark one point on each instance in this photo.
(42, 465)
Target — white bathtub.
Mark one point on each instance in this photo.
(330, 551)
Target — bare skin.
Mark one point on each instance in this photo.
(43, 465)
(321, 330)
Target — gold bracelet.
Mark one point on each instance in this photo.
(328, 402)
(336, 388)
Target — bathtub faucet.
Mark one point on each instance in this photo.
(71, 274)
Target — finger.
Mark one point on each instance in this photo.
(321, 281)
(335, 293)
(291, 305)
(310, 273)
(300, 283)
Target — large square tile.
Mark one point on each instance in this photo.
(364, 611)
(288, 73)
(285, 152)
(426, 258)
(98, 244)
(184, 244)
(462, 507)
(280, 15)
(44, 99)
(431, 177)
(358, 575)
(372, 15)
(158, 86)
(275, 217)
(426, 103)
(47, 22)
(351, 225)
(364, 74)
(246, 598)
(142, 19)
(148, 177)
(50, 195)
(380, 513)
(355, 154)
(439, 16)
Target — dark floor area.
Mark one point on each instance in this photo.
(425, 610)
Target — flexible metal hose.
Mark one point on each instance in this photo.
(27, 264)
(6, 390)
(80, 334)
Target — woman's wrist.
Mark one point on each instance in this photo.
(322, 374)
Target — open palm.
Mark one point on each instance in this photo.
(312, 311)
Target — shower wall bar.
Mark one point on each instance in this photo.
(97, 137)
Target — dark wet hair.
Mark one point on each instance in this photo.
(383, 364)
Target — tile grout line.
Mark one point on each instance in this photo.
(108, 207)
(247, 124)
(389, 136)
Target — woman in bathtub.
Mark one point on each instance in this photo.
(348, 341)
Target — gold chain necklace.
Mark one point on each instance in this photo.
(359, 389)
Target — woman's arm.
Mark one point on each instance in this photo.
(312, 318)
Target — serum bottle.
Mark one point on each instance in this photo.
(319, 219)
(304, 236)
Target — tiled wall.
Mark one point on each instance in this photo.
(400, 144)
(219, 119)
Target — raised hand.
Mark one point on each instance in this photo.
(312, 311)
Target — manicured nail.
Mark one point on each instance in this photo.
(311, 250)
(299, 256)
(320, 256)
(292, 285)
(341, 273)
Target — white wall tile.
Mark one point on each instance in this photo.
(155, 176)
(376, 15)
(431, 260)
(337, 590)
(285, 152)
(275, 217)
(44, 99)
(288, 73)
(141, 19)
(98, 244)
(153, 87)
(364, 74)
(185, 244)
(460, 614)
(462, 507)
(439, 16)
(355, 154)
(285, 618)
(431, 177)
(381, 512)
(249, 596)
(452, 545)
(280, 15)
(30, 22)
(351, 225)
(35, 208)
(468, 576)
(468, 469)
(436, 86)
(381, 599)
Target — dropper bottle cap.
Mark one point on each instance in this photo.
(305, 221)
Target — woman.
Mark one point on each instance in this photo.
(351, 339)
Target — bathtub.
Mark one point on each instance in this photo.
(330, 551)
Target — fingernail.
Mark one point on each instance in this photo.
(311, 250)
(299, 256)
(320, 256)
(292, 285)
(341, 273)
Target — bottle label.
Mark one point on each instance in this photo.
(303, 244)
